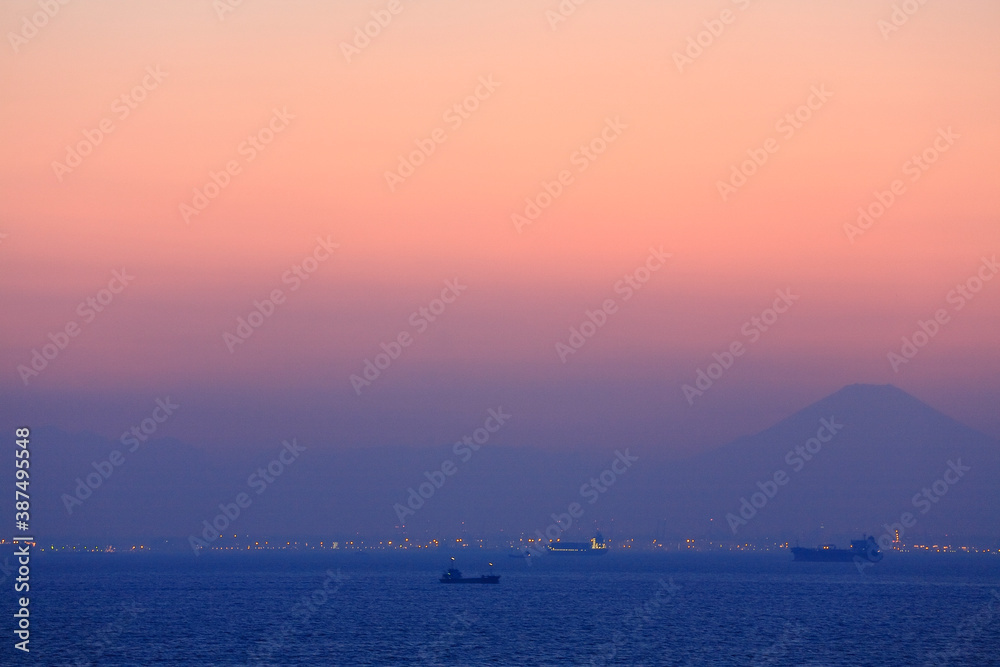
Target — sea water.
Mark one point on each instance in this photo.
(342, 608)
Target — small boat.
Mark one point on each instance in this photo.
(526, 554)
(453, 576)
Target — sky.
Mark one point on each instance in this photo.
(652, 175)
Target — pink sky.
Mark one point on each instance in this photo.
(656, 185)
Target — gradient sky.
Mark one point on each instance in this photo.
(656, 185)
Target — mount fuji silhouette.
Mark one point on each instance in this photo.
(888, 448)
(849, 464)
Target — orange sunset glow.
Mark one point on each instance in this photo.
(218, 152)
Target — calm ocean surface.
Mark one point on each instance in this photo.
(680, 609)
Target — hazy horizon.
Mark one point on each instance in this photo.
(811, 474)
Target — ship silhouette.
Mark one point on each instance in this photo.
(595, 546)
(864, 549)
(454, 576)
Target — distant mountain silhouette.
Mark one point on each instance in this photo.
(890, 446)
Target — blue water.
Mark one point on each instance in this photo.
(656, 609)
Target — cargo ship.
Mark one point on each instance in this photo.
(454, 576)
(864, 549)
(595, 546)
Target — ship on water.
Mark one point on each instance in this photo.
(864, 549)
(453, 576)
(595, 546)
